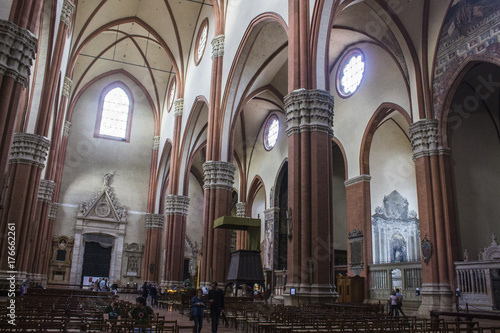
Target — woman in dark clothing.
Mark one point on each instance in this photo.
(197, 306)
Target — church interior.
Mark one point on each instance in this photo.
(317, 144)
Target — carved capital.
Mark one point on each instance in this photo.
(176, 205)
(67, 86)
(29, 149)
(309, 111)
(218, 175)
(178, 107)
(46, 190)
(424, 138)
(218, 46)
(241, 209)
(67, 11)
(357, 179)
(67, 126)
(155, 221)
(54, 207)
(18, 48)
(156, 142)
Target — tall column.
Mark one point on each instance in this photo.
(436, 292)
(218, 189)
(176, 211)
(28, 154)
(241, 235)
(152, 250)
(309, 116)
(359, 218)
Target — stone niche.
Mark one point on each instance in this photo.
(132, 255)
(395, 231)
(60, 259)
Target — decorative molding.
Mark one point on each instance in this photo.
(241, 209)
(18, 49)
(178, 107)
(309, 111)
(29, 149)
(176, 205)
(46, 190)
(218, 46)
(67, 86)
(424, 138)
(156, 142)
(444, 151)
(67, 11)
(355, 233)
(357, 179)
(133, 255)
(53, 209)
(155, 221)
(67, 126)
(218, 175)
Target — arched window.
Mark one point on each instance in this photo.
(114, 117)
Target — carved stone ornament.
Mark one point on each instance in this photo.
(241, 209)
(309, 111)
(426, 250)
(424, 137)
(492, 252)
(67, 11)
(176, 205)
(104, 205)
(46, 190)
(54, 207)
(155, 221)
(218, 46)
(156, 142)
(67, 86)
(178, 107)
(67, 126)
(218, 175)
(18, 48)
(355, 233)
(29, 149)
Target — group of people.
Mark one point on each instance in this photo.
(141, 313)
(395, 302)
(150, 292)
(198, 304)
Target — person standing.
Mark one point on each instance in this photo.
(216, 300)
(198, 308)
(393, 302)
(400, 302)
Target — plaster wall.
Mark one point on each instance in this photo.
(194, 221)
(5, 7)
(382, 82)
(339, 202)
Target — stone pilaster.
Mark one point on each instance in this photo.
(218, 46)
(18, 49)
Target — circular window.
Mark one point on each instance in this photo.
(271, 132)
(201, 41)
(350, 73)
(171, 95)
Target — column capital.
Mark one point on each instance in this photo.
(67, 11)
(67, 86)
(156, 142)
(17, 51)
(67, 126)
(176, 205)
(424, 136)
(241, 209)
(46, 190)
(178, 107)
(29, 149)
(54, 207)
(218, 175)
(357, 179)
(155, 221)
(218, 46)
(271, 211)
(308, 111)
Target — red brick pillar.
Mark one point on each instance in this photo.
(359, 225)
(152, 250)
(310, 261)
(218, 188)
(436, 292)
(176, 211)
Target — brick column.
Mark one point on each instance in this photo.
(28, 154)
(436, 292)
(151, 260)
(309, 115)
(218, 188)
(176, 210)
(359, 218)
